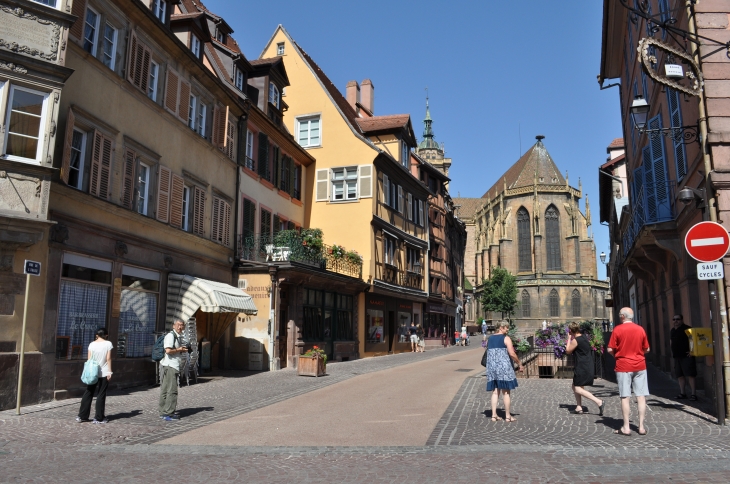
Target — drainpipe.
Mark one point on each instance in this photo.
(716, 295)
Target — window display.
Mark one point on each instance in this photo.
(375, 323)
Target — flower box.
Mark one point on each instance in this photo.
(311, 366)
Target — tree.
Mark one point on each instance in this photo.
(500, 292)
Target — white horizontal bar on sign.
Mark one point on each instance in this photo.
(707, 241)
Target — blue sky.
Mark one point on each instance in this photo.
(493, 70)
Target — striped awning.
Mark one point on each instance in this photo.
(187, 294)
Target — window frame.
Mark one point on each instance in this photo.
(95, 42)
(389, 251)
(57, 5)
(113, 58)
(238, 81)
(308, 119)
(143, 196)
(274, 92)
(280, 48)
(195, 45)
(404, 154)
(185, 222)
(202, 115)
(159, 9)
(11, 88)
(153, 81)
(344, 182)
(82, 158)
(192, 112)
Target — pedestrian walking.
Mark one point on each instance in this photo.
(174, 352)
(456, 338)
(501, 378)
(100, 350)
(484, 327)
(464, 336)
(413, 333)
(584, 370)
(629, 346)
(421, 338)
(685, 365)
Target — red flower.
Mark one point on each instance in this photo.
(316, 347)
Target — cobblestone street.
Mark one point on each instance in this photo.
(547, 443)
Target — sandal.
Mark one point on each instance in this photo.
(495, 419)
(578, 410)
(601, 408)
(681, 396)
(621, 432)
(510, 419)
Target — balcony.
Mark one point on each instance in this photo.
(412, 278)
(654, 204)
(290, 246)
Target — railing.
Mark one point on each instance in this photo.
(411, 279)
(249, 163)
(541, 363)
(653, 204)
(288, 246)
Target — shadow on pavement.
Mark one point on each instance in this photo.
(124, 415)
(186, 412)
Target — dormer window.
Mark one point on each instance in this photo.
(280, 48)
(274, 95)
(404, 154)
(220, 37)
(159, 9)
(195, 45)
(239, 80)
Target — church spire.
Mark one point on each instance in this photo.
(427, 131)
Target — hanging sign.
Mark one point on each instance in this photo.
(710, 270)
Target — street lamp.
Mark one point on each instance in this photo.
(603, 257)
(679, 134)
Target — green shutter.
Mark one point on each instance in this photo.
(264, 156)
(277, 225)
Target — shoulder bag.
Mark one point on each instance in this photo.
(90, 375)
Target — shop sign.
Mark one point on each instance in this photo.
(405, 306)
(376, 302)
(435, 308)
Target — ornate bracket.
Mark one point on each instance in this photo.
(648, 60)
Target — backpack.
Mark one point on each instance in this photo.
(158, 350)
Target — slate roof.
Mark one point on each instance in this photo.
(469, 206)
(522, 173)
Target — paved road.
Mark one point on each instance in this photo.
(546, 444)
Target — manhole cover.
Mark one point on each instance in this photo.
(465, 369)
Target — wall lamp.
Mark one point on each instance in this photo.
(639, 114)
(688, 195)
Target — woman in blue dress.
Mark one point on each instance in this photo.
(501, 377)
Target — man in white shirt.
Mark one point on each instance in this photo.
(174, 352)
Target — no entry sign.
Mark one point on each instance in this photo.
(707, 241)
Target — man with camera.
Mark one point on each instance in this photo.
(174, 352)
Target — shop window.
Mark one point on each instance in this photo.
(138, 312)
(327, 316)
(313, 322)
(82, 305)
(375, 326)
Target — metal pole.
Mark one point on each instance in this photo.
(22, 344)
(711, 207)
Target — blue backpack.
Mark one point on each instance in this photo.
(158, 350)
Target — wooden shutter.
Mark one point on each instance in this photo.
(292, 176)
(164, 178)
(322, 185)
(68, 142)
(400, 199)
(199, 211)
(177, 193)
(386, 189)
(263, 156)
(265, 225)
(184, 105)
(230, 137)
(128, 178)
(172, 90)
(277, 224)
(291, 225)
(365, 181)
(214, 132)
(226, 224)
(79, 10)
(409, 206)
(138, 69)
(220, 122)
(101, 161)
(420, 213)
(276, 165)
(215, 226)
(249, 218)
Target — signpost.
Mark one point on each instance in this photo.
(31, 268)
(707, 241)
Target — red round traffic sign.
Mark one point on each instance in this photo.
(707, 241)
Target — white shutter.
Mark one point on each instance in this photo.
(409, 206)
(386, 189)
(365, 181)
(400, 199)
(322, 188)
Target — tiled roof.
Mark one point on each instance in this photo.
(183, 16)
(522, 173)
(468, 206)
(617, 143)
(381, 123)
(610, 163)
(261, 62)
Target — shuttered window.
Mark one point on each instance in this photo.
(172, 91)
(575, 299)
(275, 164)
(219, 134)
(554, 304)
(365, 181)
(276, 225)
(386, 189)
(249, 218)
(177, 202)
(265, 223)
(675, 116)
(164, 181)
(138, 68)
(230, 138)
(101, 162)
(525, 304)
(524, 237)
(198, 218)
(78, 8)
(322, 190)
(183, 108)
(220, 226)
(552, 243)
(128, 182)
(68, 147)
(263, 161)
(656, 185)
(285, 173)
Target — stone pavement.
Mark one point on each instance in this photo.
(546, 444)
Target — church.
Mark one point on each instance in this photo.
(530, 223)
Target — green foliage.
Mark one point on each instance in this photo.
(500, 291)
(312, 241)
(316, 350)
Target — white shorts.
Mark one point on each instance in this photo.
(414, 338)
(635, 380)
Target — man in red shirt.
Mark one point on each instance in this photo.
(628, 345)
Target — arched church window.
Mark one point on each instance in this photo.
(554, 304)
(552, 235)
(576, 303)
(525, 304)
(524, 246)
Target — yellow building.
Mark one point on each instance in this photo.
(363, 196)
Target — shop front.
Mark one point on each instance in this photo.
(439, 319)
(387, 321)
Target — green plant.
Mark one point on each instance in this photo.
(312, 241)
(287, 238)
(316, 350)
(520, 343)
(353, 256)
(337, 251)
(500, 292)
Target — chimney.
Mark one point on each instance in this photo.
(352, 93)
(368, 95)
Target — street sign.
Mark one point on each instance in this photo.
(707, 241)
(32, 268)
(710, 270)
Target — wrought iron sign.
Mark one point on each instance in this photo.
(651, 64)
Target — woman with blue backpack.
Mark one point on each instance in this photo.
(97, 373)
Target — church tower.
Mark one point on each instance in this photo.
(429, 149)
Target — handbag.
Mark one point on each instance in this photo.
(484, 356)
(90, 375)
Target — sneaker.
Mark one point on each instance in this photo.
(100, 421)
(170, 418)
(177, 414)
(81, 420)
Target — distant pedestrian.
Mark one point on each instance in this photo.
(421, 338)
(457, 338)
(684, 364)
(629, 346)
(174, 352)
(100, 350)
(464, 336)
(501, 378)
(579, 344)
(484, 327)
(413, 333)
(444, 339)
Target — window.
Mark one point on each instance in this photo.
(76, 163)
(249, 219)
(159, 9)
(263, 160)
(220, 37)
(109, 46)
(575, 300)
(524, 246)
(185, 208)
(195, 45)
(675, 116)
(554, 304)
(191, 111)
(91, 27)
(265, 223)
(137, 312)
(239, 80)
(344, 183)
(404, 154)
(143, 181)
(202, 113)
(154, 77)
(414, 260)
(221, 222)
(25, 122)
(50, 3)
(274, 95)
(308, 131)
(280, 48)
(552, 244)
(525, 304)
(389, 256)
(249, 163)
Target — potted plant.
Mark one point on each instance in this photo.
(353, 257)
(313, 363)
